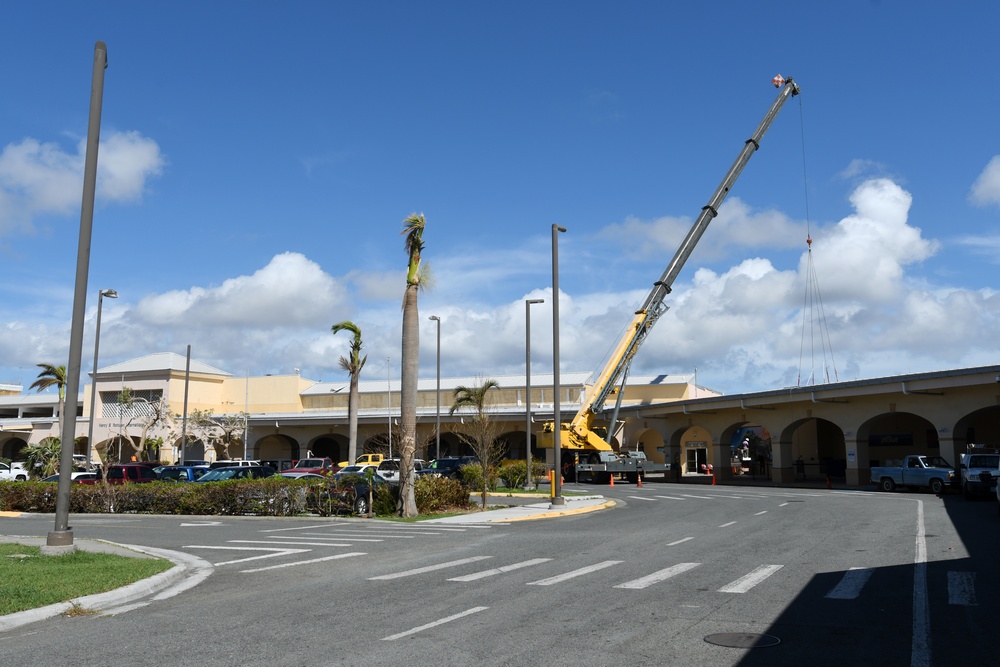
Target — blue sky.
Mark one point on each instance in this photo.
(258, 159)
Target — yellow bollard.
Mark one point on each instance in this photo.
(552, 484)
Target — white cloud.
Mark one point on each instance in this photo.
(42, 178)
(986, 189)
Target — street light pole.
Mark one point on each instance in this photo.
(111, 294)
(437, 414)
(557, 498)
(527, 389)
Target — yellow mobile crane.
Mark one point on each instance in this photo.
(579, 433)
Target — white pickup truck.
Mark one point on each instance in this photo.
(13, 472)
(931, 472)
(973, 466)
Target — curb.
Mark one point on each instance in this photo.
(188, 571)
(553, 514)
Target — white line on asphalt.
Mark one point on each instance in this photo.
(759, 513)
(281, 530)
(851, 584)
(500, 570)
(781, 505)
(558, 579)
(459, 615)
(746, 582)
(339, 535)
(277, 552)
(304, 562)
(295, 543)
(201, 523)
(962, 589)
(657, 577)
(429, 568)
(642, 498)
(681, 541)
(920, 644)
(669, 497)
(727, 525)
(699, 497)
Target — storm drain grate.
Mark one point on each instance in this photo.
(742, 640)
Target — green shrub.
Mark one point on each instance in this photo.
(472, 477)
(439, 494)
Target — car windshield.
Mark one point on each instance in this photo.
(936, 462)
(219, 474)
(310, 463)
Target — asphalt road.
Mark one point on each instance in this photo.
(673, 575)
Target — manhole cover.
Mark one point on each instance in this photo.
(742, 640)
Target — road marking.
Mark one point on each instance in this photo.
(681, 541)
(316, 537)
(657, 577)
(669, 497)
(699, 497)
(641, 498)
(920, 643)
(759, 513)
(851, 584)
(448, 619)
(558, 579)
(500, 570)
(962, 589)
(746, 582)
(340, 536)
(202, 523)
(429, 568)
(296, 543)
(282, 530)
(782, 504)
(727, 525)
(304, 562)
(276, 552)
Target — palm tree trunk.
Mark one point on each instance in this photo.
(408, 400)
(352, 422)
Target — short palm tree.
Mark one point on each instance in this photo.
(353, 365)
(42, 458)
(52, 375)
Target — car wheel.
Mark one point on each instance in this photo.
(21, 478)
(361, 505)
(888, 484)
(937, 487)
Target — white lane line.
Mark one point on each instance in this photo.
(962, 589)
(296, 543)
(448, 619)
(276, 552)
(304, 562)
(669, 497)
(339, 536)
(681, 541)
(559, 578)
(781, 505)
(746, 582)
(699, 497)
(429, 568)
(851, 584)
(642, 498)
(659, 576)
(759, 513)
(274, 538)
(202, 523)
(920, 643)
(500, 570)
(727, 525)
(282, 530)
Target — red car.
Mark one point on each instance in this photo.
(126, 472)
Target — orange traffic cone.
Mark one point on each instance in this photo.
(713, 479)
(611, 479)
(640, 480)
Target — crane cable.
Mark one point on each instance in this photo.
(813, 297)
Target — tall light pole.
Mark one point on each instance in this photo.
(111, 294)
(437, 413)
(527, 388)
(557, 498)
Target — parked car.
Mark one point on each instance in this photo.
(297, 474)
(355, 469)
(182, 473)
(236, 472)
(229, 463)
(448, 467)
(931, 472)
(320, 466)
(351, 490)
(73, 476)
(364, 459)
(125, 472)
(13, 472)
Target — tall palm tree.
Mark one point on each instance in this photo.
(413, 230)
(473, 397)
(52, 375)
(353, 365)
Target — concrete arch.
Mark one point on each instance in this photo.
(694, 448)
(651, 442)
(332, 445)
(12, 448)
(979, 427)
(277, 447)
(813, 447)
(892, 435)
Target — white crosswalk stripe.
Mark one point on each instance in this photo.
(500, 570)
(558, 579)
(748, 581)
(656, 577)
(851, 584)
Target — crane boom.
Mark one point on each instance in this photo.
(579, 429)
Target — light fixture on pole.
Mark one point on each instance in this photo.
(527, 389)
(111, 294)
(557, 498)
(437, 413)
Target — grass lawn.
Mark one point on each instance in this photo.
(29, 579)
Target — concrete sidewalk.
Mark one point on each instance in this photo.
(531, 511)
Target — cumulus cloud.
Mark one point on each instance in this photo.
(986, 189)
(43, 178)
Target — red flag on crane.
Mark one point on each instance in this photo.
(778, 81)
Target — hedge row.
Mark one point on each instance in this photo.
(274, 496)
